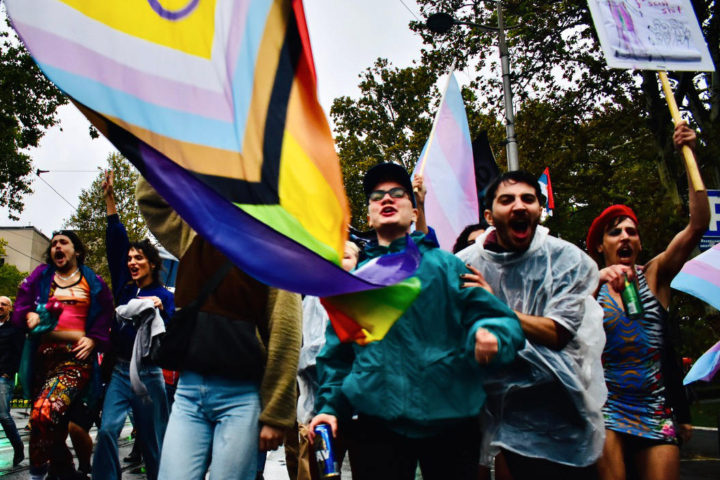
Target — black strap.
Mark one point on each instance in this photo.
(211, 285)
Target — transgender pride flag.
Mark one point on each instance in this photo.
(701, 277)
(705, 367)
(446, 163)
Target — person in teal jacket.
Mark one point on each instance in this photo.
(415, 395)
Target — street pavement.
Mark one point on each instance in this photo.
(700, 457)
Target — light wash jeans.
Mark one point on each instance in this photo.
(8, 424)
(214, 421)
(149, 411)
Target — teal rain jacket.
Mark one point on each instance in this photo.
(423, 373)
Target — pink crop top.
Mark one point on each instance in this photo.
(76, 304)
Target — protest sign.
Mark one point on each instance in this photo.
(650, 35)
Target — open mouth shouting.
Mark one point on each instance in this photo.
(388, 211)
(134, 271)
(625, 254)
(59, 258)
(520, 229)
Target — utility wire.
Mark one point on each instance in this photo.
(408, 9)
(23, 253)
(70, 171)
(58, 193)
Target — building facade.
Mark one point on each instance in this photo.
(25, 247)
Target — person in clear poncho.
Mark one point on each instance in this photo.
(544, 410)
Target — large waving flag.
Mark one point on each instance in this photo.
(705, 367)
(446, 163)
(215, 103)
(701, 277)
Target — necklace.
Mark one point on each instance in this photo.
(68, 277)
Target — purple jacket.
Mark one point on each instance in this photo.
(34, 291)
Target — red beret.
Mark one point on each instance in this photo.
(597, 229)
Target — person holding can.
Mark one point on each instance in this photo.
(414, 396)
(647, 413)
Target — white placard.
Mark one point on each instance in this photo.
(651, 35)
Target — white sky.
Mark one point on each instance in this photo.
(347, 36)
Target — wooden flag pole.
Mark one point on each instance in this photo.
(690, 163)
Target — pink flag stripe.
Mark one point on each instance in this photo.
(704, 271)
(79, 60)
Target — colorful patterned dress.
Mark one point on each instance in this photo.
(637, 401)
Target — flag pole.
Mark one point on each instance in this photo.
(690, 162)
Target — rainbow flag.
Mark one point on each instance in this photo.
(215, 103)
(446, 163)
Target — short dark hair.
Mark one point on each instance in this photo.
(515, 176)
(152, 254)
(462, 240)
(74, 239)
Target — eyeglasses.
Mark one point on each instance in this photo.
(377, 195)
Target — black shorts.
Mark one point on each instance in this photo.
(633, 444)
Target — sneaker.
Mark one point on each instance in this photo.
(134, 457)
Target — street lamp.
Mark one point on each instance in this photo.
(442, 23)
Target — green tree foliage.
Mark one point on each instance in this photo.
(556, 58)
(597, 163)
(605, 134)
(28, 106)
(10, 276)
(390, 122)
(90, 218)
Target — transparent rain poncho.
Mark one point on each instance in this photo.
(547, 403)
(315, 320)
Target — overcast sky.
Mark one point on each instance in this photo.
(346, 35)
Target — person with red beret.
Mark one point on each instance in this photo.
(646, 413)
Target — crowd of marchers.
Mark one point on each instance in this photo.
(521, 351)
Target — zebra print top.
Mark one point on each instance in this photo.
(637, 401)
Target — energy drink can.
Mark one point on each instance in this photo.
(324, 452)
(631, 300)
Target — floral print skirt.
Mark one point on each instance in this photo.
(60, 379)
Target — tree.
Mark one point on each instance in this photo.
(90, 218)
(390, 122)
(555, 58)
(10, 276)
(28, 107)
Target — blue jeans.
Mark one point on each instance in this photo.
(151, 417)
(8, 424)
(214, 420)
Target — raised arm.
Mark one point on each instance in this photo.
(420, 190)
(108, 192)
(117, 242)
(662, 269)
